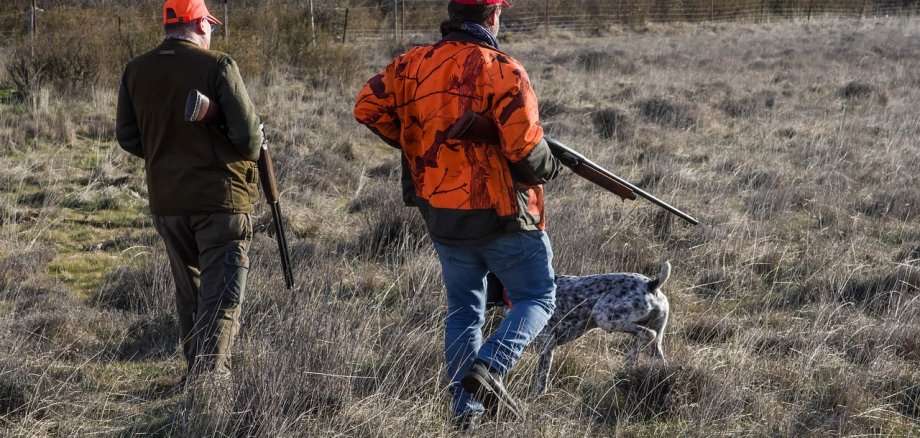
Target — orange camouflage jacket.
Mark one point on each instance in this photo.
(468, 193)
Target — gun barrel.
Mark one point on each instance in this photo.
(273, 197)
(560, 149)
(281, 237)
(476, 128)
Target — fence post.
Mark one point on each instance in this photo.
(312, 26)
(712, 5)
(32, 28)
(345, 26)
(546, 17)
(810, 4)
(226, 19)
(395, 20)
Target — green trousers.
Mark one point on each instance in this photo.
(208, 255)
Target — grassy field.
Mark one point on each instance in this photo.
(795, 304)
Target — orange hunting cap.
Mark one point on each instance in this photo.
(505, 3)
(184, 11)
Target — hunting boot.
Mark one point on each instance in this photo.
(486, 386)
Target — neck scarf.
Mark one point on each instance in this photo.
(480, 33)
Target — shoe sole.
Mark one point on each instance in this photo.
(490, 399)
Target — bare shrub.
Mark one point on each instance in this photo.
(612, 123)
(668, 113)
(779, 345)
(610, 59)
(653, 390)
(749, 105)
(769, 203)
(323, 169)
(833, 406)
(550, 108)
(151, 336)
(902, 203)
(858, 90)
(710, 330)
(17, 269)
(905, 341)
(861, 345)
(16, 394)
(392, 235)
(146, 288)
(714, 283)
(904, 392)
(882, 291)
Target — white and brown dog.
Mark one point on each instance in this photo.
(619, 302)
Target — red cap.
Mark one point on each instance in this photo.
(184, 11)
(505, 3)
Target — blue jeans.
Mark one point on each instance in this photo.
(523, 263)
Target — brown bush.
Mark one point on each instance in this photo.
(669, 113)
(16, 393)
(710, 330)
(858, 90)
(880, 291)
(146, 289)
(650, 390)
(612, 123)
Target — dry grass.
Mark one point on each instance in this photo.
(795, 302)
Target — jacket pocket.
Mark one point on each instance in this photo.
(236, 269)
(252, 182)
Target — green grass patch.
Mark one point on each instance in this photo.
(83, 273)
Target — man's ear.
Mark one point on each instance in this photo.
(199, 25)
(492, 17)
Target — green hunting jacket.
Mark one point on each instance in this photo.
(192, 167)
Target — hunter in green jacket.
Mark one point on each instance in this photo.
(201, 177)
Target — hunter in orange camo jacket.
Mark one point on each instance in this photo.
(468, 193)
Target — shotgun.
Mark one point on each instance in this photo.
(477, 128)
(198, 108)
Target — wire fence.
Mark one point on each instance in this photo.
(538, 16)
(368, 20)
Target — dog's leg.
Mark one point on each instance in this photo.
(658, 325)
(545, 345)
(644, 336)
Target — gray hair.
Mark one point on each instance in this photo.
(180, 29)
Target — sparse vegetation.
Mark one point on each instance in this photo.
(794, 303)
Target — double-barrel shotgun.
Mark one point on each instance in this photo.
(199, 108)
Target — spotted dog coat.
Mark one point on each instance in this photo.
(621, 302)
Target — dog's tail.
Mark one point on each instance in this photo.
(663, 276)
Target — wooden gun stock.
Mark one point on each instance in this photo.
(476, 128)
(267, 176)
(199, 108)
